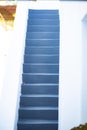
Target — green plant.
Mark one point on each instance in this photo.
(80, 127)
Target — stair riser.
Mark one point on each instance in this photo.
(42, 29)
(37, 126)
(41, 59)
(41, 35)
(42, 22)
(38, 114)
(36, 42)
(39, 50)
(43, 12)
(39, 101)
(40, 68)
(40, 89)
(44, 16)
(40, 78)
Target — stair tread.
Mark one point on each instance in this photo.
(43, 20)
(42, 38)
(40, 73)
(38, 84)
(41, 51)
(39, 108)
(41, 64)
(42, 35)
(43, 11)
(42, 47)
(42, 28)
(41, 55)
(40, 32)
(37, 121)
(40, 95)
(45, 25)
(38, 19)
(42, 42)
(54, 29)
(34, 17)
(43, 16)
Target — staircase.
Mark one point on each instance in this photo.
(39, 91)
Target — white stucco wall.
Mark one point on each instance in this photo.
(84, 71)
(71, 15)
(70, 95)
(13, 71)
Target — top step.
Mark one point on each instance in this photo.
(43, 12)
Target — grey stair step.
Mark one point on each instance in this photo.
(41, 95)
(40, 78)
(38, 108)
(39, 89)
(40, 68)
(41, 50)
(44, 16)
(38, 121)
(42, 35)
(40, 28)
(37, 125)
(43, 11)
(42, 42)
(43, 114)
(45, 22)
(51, 101)
(41, 59)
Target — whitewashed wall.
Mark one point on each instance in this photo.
(13, 71)
(84, 70)
(71, 15)
(70, 98)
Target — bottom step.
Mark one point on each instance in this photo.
(37, 125)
